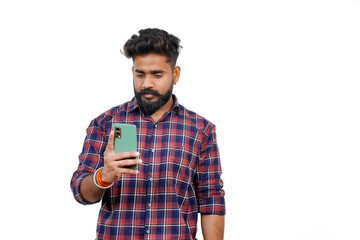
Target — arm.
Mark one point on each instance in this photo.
(112, 171)
(209, 187)
(98, 152)
(212, 227)
(90, 191)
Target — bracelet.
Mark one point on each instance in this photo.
(98, 181)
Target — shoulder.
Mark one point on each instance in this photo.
(200, 122)
(104, 119)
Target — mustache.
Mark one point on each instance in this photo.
(149, 91)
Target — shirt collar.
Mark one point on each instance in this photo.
(132, 106)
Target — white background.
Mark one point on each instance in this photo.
(280, 79)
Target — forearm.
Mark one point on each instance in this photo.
(213, 226)
(90, 191)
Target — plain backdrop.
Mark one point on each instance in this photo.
(279, 79)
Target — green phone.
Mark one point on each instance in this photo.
(125, 139)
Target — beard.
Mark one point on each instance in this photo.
(148, 107)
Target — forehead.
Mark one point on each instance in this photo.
(151, 61)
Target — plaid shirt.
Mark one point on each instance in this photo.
(179, 178)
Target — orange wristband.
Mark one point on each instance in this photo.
(99, 182)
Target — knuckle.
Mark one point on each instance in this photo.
(111, 166)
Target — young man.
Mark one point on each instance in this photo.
(179, 171)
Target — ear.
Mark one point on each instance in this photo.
(176, 74)
(132, 69)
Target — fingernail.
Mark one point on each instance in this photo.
(140, 161)
(137, 154)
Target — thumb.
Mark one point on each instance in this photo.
(110, 144)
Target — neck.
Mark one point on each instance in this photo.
(160, 112)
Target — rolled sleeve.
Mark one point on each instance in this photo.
(75, 187)
(210, 191)
(90, 159)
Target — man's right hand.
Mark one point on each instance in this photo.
(115, 163)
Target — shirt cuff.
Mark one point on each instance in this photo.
(75, 187)
(212, 205)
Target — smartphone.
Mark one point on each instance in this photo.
(125, 139)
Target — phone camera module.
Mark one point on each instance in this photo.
(117, 132)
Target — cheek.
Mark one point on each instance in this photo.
(136, 84)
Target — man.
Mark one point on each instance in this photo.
(179, 171)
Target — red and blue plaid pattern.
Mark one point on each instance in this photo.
(179, 178)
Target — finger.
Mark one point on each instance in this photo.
(110, 144)
(125, 155)
(128, 171)
(129, 162)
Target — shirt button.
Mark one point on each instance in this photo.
(151, 179)
(149, 205)
(155, 126)
(148, 231)
(153, 150)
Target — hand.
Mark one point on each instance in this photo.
(114, 163)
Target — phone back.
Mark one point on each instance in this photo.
(125, 139)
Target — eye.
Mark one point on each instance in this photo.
(139, 75)
(158, 75)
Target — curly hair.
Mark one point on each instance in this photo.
(153, 40)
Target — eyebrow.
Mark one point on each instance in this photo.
(152, 72)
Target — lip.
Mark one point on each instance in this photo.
(148, 95)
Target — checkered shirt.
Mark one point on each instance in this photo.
(179, 178)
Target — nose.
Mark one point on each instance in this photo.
(148, 82)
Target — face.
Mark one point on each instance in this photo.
(153, 81)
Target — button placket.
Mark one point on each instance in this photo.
(151, 151)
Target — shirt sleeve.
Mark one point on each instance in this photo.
(90, 159)
(208, 178)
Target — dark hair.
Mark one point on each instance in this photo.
(153, 40)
